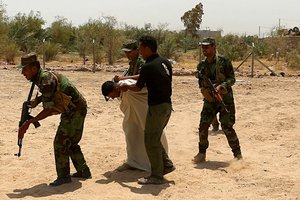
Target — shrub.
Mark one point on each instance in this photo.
(293, 59)
(168, 48)
(9, 51)
(51, 50)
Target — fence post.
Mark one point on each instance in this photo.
(94, 57)
(44, 54)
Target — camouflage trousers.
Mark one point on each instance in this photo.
(215, 123)
(66, 141)
(157, 118)
(227, 121)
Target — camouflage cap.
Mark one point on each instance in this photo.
(27, 60)
(130, 45)
(208, 41)
(106, 88)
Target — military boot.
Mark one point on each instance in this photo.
(239, 157)
(85, 173)
(60, 181)
(200, 157)
(237, 154)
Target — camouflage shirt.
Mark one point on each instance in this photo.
(220, 71)
(49, 82)
(135, 65)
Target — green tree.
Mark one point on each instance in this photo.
(160, 33)
(27, 31)
(8, 49)
(112, 39)
(233, 47)
(89, 36)
(168, 48)
(186, 42)
(134, 32)
(63, 33)
(51, 50)
(192, 19)
(3, 26)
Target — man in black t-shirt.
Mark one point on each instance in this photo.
(156, 74)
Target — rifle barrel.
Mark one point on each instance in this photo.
(25, 116)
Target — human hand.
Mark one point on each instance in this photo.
(219, 88)
(33, 103)
(23, 129)
(117, 78)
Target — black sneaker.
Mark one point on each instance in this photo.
(86, 173)
(60, 181)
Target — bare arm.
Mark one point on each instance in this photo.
(118, 78)
(125, 87)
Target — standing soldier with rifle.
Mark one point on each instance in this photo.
(216, 76)
(58, 96)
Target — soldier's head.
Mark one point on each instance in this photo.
(109, 90)
(30, 65)
(130, 47)
(147, 46)
(208, 46)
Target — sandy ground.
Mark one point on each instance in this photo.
(268, 126)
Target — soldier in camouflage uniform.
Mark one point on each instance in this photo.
(130, 48)
(59, 96)
(220, 71)
(215, 124)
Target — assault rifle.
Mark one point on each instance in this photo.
(25, 115)
(215, 94)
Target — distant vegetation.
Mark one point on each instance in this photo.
(103, 38)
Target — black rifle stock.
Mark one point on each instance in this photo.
(25, 115)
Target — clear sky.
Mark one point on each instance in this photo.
(232, 16)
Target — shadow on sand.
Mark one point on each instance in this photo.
(213, 165)
(44, 190)
(131, 176)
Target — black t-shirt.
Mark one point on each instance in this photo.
(156, 74)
